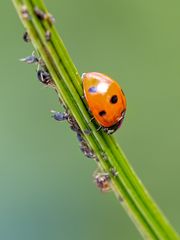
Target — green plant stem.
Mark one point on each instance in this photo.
(126, 185)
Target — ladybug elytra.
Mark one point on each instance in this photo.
(105, 99)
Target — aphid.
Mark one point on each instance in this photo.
(73, 124)
(120, 199)
(80, 137)
(44, 77)
(104, 156)
(66, 116)
(87, 151)
(42, 73)
(33, 59)
(26, 37)
(48, 35)
(59, 116)
(39, 13)
(44, 16)
(50, 18)
(102, 181)
(114, 172)
(105, 99)
(30, 59)
(25, 13)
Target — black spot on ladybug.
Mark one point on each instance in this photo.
(102, 113)
(92, 90)
(114, 99)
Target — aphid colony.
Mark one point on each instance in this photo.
(101, 179)
(104, 97)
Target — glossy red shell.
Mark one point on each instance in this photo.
(105, 98)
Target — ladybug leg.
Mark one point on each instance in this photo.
(91, 120)
(108, 130)
(59, 116)
(99, 128)
(89, 110)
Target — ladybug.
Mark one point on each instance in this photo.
(105, 99)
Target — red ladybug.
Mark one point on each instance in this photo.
(105, 99)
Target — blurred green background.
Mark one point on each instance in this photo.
(46, 186)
